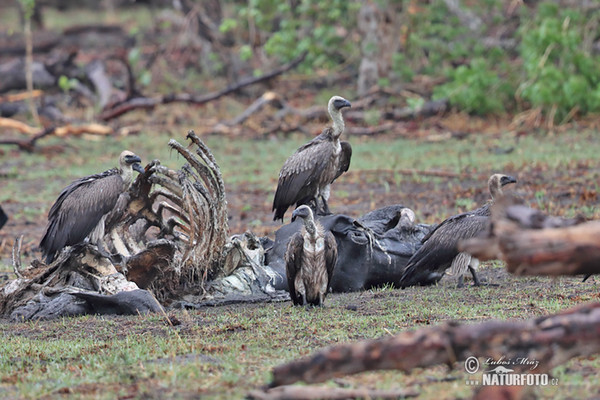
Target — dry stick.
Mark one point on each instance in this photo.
(16, 256)
(550, 340)
(327, 393)
(149, 103)
(28, 145)
(9, 98)
(29, 68)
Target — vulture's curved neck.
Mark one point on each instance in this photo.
(495, 192)
(127, 176)
(338, 122)
(310, 226)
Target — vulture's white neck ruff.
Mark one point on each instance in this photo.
(126, 172)
(338, 121)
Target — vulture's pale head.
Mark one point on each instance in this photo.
(407, 217)
(129, 160)
(336, 103)
(497, 182)
(303, 212)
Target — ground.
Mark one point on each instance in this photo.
(438, 166)
(225, 352)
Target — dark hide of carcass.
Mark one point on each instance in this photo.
(372, 250)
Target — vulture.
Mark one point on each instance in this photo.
(310, 258)
(306, 175)
(440, 246)
(81, 208)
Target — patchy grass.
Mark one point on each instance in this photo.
(224, 352)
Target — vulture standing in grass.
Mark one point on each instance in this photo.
(440, 247)
(306, 175)
(309, 260)
(81, 208)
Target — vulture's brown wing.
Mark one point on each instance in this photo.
(345, 157)
(293, 263)
(78, 209)
(429, 263)
(299, 176)
(331, 254)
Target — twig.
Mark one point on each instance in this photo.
(327, 393)
(28, 65)
(149, 103)
(16, 256)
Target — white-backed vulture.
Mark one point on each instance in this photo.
(310, 260)
(81, 208)
(440, 246)
(306, 175)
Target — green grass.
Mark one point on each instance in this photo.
(224, 352)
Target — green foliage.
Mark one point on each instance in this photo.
(28, 7)
(65, 84)
(557, 70)
(143, 76)
(560, 71)
(476, 88)
(316, 27)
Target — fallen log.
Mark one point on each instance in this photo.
(532, 243)
(550, 340)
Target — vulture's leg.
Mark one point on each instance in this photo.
(325, 210)
(476, 281)
(313, 203)
(325, 193)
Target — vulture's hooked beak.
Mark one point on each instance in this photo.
(302, 212)
(341, 103)
(506, 179)
(138, 168)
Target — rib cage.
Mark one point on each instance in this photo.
(186, 206)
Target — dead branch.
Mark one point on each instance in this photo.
(18, 125)
(37, 134)
(7, 98)
(149, 103)
(16, 256)
(28, 145)
(327, 393)
(532, 243)
(551, 340)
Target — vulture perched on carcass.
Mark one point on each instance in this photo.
(81, 208)
(440, 247)
(306, 176)
(309, 260)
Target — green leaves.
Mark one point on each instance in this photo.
(312, 26)
(560, 74)
(476, 88)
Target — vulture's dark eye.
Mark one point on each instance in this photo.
(340, 103)
(130, 159)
